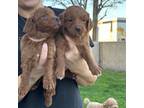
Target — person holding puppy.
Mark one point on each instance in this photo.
(68, 95)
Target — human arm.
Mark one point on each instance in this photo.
(83, 75)
(77, 65)
(36, 73)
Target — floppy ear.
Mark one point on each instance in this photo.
(105, 104)
(89, 24)
(61, 16)
(29, 26)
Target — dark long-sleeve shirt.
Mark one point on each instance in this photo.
(67, 92)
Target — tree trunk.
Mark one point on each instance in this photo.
(95, 20)
(95, 30)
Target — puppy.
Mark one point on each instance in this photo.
(40, 30)
(109, 103)
(76, 24)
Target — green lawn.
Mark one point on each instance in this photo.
(110, 84)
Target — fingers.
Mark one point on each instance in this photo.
(72, 54)
(70, 42)
(44, 53)
(72, 47)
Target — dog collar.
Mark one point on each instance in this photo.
(36, 40)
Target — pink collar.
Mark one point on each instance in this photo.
(36, 40)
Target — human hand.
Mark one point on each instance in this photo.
(77, 65)
(86, 81)
(72, 54)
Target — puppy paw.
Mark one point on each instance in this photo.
(60, 73)
(48, 84)
(22, 91)
(48, 101)
(96, 70)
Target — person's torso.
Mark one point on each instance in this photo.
(67, 92)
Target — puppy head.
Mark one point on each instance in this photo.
(43, 20)
(86, 101)
(110, 103)
(76, 21)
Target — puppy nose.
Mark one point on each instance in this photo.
(78, 29)
(56, 19)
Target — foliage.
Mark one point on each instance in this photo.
(98, 7)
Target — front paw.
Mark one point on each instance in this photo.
(48, 84)
(96, 70)
(22, 91)
(60, 73)
(48, 99)
(48, 102)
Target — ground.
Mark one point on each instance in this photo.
(110, 84)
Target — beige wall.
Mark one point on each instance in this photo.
(112, 55)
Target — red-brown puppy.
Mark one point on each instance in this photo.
(76, 24)
(40, 30)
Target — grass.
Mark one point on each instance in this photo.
(110, 84)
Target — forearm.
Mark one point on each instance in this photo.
(81, 81)
(77, 65)
(34, 77)
(36, 74)
(83, 74)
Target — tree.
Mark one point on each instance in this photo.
(66, 3)
(98, 6)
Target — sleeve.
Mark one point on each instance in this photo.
(91, 42)
(56, 10)
(21, 23)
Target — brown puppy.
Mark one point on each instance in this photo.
(76, 24)
(40, 30)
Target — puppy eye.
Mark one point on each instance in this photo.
(45, 17)
(70, 20)
(84, 20)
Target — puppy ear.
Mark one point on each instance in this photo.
(29, 26)
(89, 24)
(61, 16)
(105, 104)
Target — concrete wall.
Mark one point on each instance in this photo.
(112, 55)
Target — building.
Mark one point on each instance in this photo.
(112, 30)
(110, 50)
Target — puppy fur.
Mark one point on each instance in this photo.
(40, 29)
(76, 24)
(109, 103)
